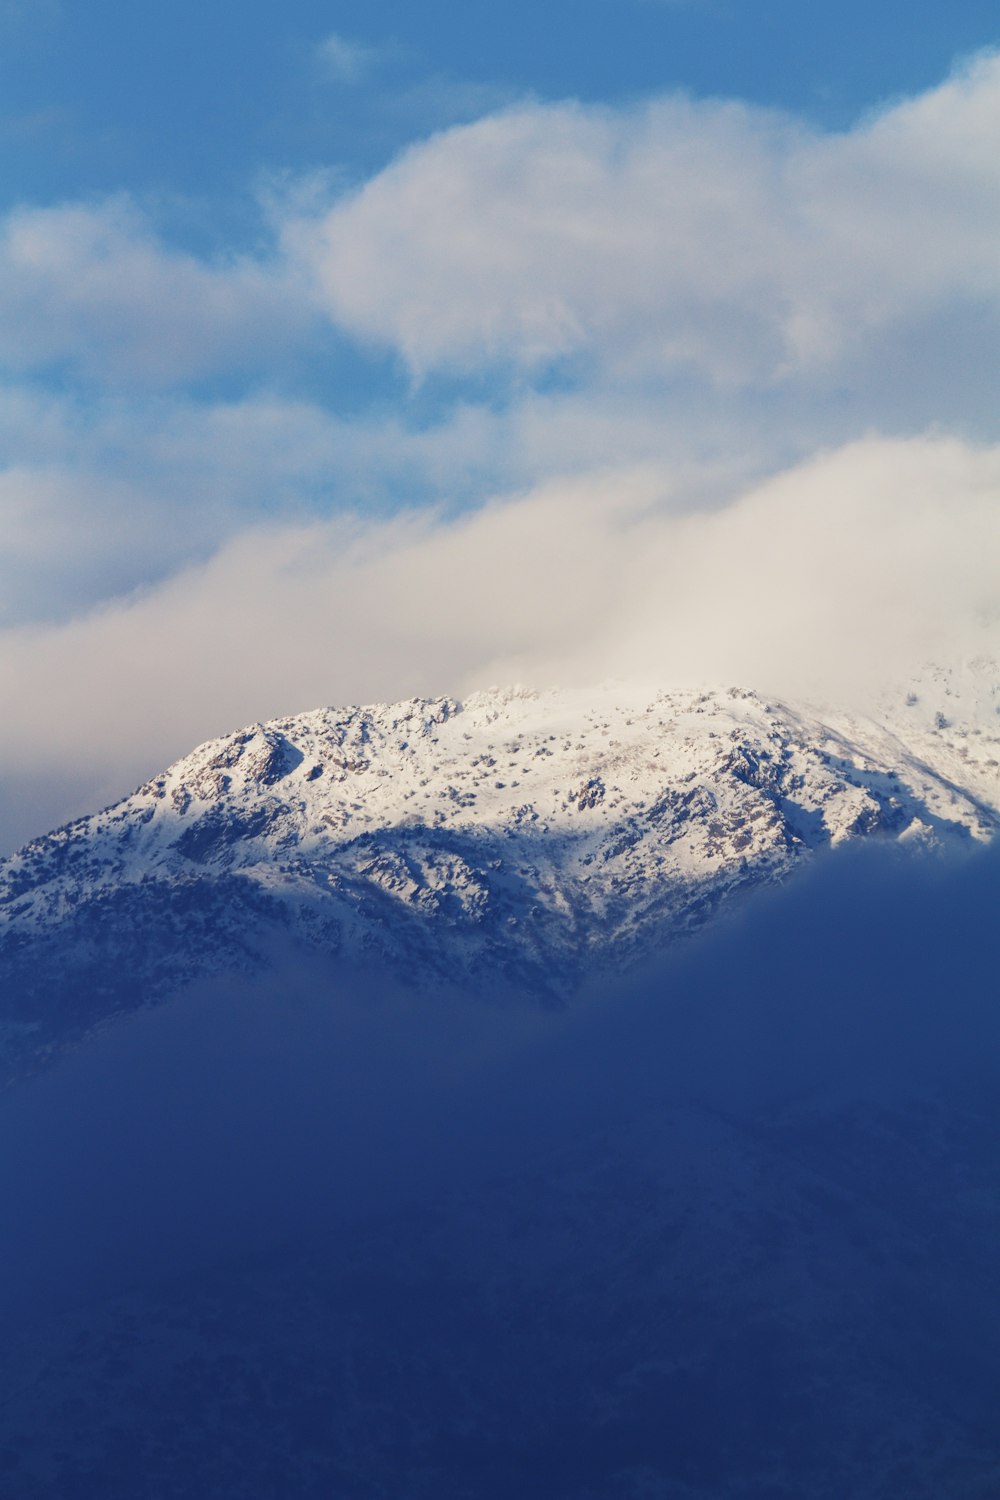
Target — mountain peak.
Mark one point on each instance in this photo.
(521, 836)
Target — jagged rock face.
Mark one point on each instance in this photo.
(516, 838)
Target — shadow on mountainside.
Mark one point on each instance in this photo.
(724, 1230)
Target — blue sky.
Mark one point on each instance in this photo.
(197, 114)
(356, 346)
(195, 99)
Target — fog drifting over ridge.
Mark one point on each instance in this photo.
(317, 392)
(827, 581)
(683, 390)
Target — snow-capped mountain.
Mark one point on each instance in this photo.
(731, 1235)
(518, 837)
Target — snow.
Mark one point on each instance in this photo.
(521, 832)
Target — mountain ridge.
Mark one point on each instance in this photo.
(518, 838)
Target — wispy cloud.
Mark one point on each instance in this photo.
(92, 287)
(37, 123)
(437, 101)
(346, 59)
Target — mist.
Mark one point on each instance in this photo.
(497, 411)
(241, 1114)
(828, 580)
(826, 1058)
(778, 1137)
(244, 1112)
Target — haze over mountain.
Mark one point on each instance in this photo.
(723, 1229)
(518, 840)
(569, 1091)
(832, 581)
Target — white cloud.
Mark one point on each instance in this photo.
(101, 496)
(92, 287)
(346, 59)
(723, 292)
(837, 573)
(627, 246)
(680, 235)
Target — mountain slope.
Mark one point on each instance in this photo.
(517, 838)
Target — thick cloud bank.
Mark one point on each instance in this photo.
(695, 390)
(841, 574)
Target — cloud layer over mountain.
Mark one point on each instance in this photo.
(681, 388)
(829, 579)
